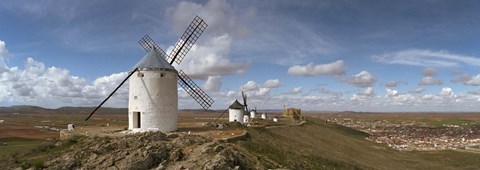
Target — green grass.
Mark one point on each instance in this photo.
(317, 145)
(33, 153)
(19, 146)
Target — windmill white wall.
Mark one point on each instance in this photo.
(153, 95)
(235, 112)
(235, 115)
(252, 114)
(264, 115)
(246, 118)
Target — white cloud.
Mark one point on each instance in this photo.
(369, 91)
(52, 87)
(362, 79)
(474, 81)
(231, 93)
(262, 92)
(249, 86)
(428, 97)
(336, 68)
(393, 97)
(428, 58)
(272, 83)
(365, 95)
(296, 90)
(209, 56)
(417, 90)
(391, 92)
(446, 91)
(218, 14)
(211, 59)
(4, 55)
(213, 84)
(430, 81)
(429, 72)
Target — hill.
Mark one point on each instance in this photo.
(313, 145)
(318, 145)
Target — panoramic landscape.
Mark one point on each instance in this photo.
(218, 84)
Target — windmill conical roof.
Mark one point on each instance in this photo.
(153, 60)
(236, 105)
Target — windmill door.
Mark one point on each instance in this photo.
(136, 120)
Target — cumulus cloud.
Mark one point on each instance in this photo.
(417, 90)
(249, 86)
(430, 81)
(368, 93)
(362, 79)
(428, 58)
(474, 81)
(393, 97)
(428, 97)
(336, 68)
(429, 72)
(446, 91)
(37, 84)
(211, 59)
(209, 56)
(4, 55)
(272, 83)
(296, 90)
(262, 92)
(253, 89)
(391, 92)
(213, 84)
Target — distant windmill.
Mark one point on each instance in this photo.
(153, 93)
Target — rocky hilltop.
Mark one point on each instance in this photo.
(151, 150)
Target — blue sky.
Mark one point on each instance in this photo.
(315, 55)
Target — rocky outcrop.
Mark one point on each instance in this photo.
(153, 150)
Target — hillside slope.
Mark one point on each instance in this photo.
(314, 145)
(317, 145)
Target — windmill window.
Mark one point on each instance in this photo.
(161, 75)
(140, 75)
(134, 97)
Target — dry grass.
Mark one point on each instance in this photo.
(317, 145)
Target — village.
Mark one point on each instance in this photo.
(417, 136)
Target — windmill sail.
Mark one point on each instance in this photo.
(111, 94)
(184, 44)
(189, 37)
(244, 96)
(193, 90)
(148, 44)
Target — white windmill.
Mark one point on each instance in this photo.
(235, 112)
(153, 94)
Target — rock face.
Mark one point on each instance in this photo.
(153, 150)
